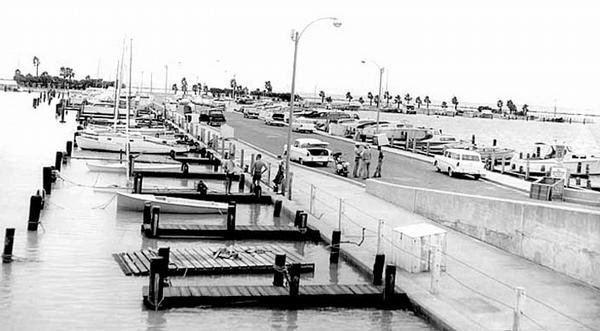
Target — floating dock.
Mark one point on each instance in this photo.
(266, 232)
(202, 260)
(359, 295)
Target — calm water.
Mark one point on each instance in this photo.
(65, 277)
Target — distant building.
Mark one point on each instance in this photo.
(8, 85)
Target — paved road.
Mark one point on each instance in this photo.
(396, 168)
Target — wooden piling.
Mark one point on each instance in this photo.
(242, 159)
(390, 283)
(297, 217)
(69, 148)
(9, 240)
(303, 221)
(147, 214)
(277, 208)
(47, 179)
(231, 210)
(278, 274)
(494, 143)
(35, 207)
(155, 210)
(473, 139)
(165, 253)
(378, 269)
(58, 161)
(294, 272)
(336, 237)
(155, 287)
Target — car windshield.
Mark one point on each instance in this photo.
(470, 157)
(314, 145)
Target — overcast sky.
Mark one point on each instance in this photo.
(531, 51)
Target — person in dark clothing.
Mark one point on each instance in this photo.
(379, 162)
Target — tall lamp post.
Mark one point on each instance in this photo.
(381, 69)
(296, 38)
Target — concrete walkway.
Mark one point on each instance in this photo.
(477, 290)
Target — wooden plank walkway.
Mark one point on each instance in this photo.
(201, 260)
(217, 197)
(181, 175)
(261, 232)
(354, 295)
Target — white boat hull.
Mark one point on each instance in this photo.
(132, 201)
(538, 166)
(122, 167)
(110, 144)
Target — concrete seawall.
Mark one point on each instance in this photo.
(564, 239)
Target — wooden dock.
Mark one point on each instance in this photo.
(182, 175)
(264, 232)
(202, 260)
(358, 295)
(218, 197)
(197, 160)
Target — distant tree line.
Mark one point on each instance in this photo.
(64, 80)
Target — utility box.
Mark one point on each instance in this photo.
(412, 244)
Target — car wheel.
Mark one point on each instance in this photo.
(450, 172)
(301, 161)
(476, 177)
(437, 168)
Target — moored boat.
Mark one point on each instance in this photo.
(122, 167)
(133, 201)
(544, 157)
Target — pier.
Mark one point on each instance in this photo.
(240, 232)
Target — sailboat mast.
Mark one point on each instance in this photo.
(117, 82)
(129, 96)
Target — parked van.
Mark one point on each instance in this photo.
(459, 161)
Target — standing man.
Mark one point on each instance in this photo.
(258, 169)
(280, 174)
(356, 160)
(377, 173)
(229, 168)
(366, 159)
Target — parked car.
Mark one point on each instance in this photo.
(459, 161)
(308, 150)
(275, 119)
(303, 125)
(250, 112)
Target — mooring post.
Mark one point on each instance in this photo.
(303, 221)
(136, 179)
(277, 208)
(294, 272)
(390, 283)
(155, 286)
(242, 159)
(242, 183)
(47, 179)
(216, 165)
(297, 217)
(9, 240)
(435, 268)
(35, 207)
(279, 267)
(231, 210)
(58, 161)
(251, 160)
(140, 182)
(518, 311)
(147, 215)
(494, 143)
(69, 148)
(62, 114)
(165, 253)
(473, 139)
(155, 210)
(334, 256)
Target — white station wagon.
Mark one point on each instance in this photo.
(460, 161)
(308, 150)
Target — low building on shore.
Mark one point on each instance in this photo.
(8, 85)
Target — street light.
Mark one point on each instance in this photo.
(296, 38)
(381, 69)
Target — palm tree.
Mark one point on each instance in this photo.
(444, 104)
(174, 88)
(370, 97)
(36, 64)
(407, 97)
(398, 100)
(427, 102)
(511, 107)
(322, 95)
(184, 85)
(387, 98)
(268, 86)
(525, 109)
(195, 89)
(328, 99)
(455, 103)
(500, 104)
(361, 100)
(418, 102)
(349, 97)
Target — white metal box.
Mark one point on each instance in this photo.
(411, 246)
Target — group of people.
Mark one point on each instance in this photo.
(259, 167)
(363, 157)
